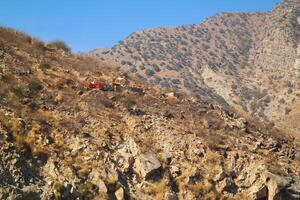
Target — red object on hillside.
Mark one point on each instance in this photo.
(97, 85)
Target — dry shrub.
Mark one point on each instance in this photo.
(215, 141)
(18, 92)
(59, 44)
(128, 102)
(35, 86)
(212, 164)
(157, 189)
(107, 103)
(37, 43)
(273, 166)
(44, 66)
(203, 190)
(27, 145)
(88, 190)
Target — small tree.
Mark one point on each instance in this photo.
(59, 44)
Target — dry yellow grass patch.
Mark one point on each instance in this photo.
(158, 189)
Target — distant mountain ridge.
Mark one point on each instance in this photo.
(246, 61)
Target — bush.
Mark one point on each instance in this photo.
(149, 72)
(128, 103)
(35, 86)
(18, 92)
(156, 68)
(45, 66)
(58, 44)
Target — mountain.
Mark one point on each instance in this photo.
(248, 62)
(61, 140)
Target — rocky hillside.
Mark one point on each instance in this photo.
(246, 61)
(61, 140)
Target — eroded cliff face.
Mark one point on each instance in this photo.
(253, 57)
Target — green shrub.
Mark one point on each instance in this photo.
(149, 73)
(34, 86)
(18, 92)
(58, 44)
(45, 66)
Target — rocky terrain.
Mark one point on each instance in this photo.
(245, 61)
(61, 140)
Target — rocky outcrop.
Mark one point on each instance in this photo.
(263, 184)
(148, 166)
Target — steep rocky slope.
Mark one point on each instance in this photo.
(248, 61)
(60, 140)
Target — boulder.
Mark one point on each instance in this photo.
(276, 185)
(273, 187)
(258, 192)
(102, 187)
(120, 194)
(147, 165)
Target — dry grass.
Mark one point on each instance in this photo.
(215, 141)
(158, 189)
(201, 188)
(28, 147)
(88, 190)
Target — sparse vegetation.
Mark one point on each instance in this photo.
(149, 73)
(59, 44)
(18, 92)
(45, 66)
(71, 142)
(34, 86)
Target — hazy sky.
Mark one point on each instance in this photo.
(89, 24)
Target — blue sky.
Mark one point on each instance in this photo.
(89, 24)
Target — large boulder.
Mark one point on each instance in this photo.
(277, 186)
(148, 166)
(274, 187)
